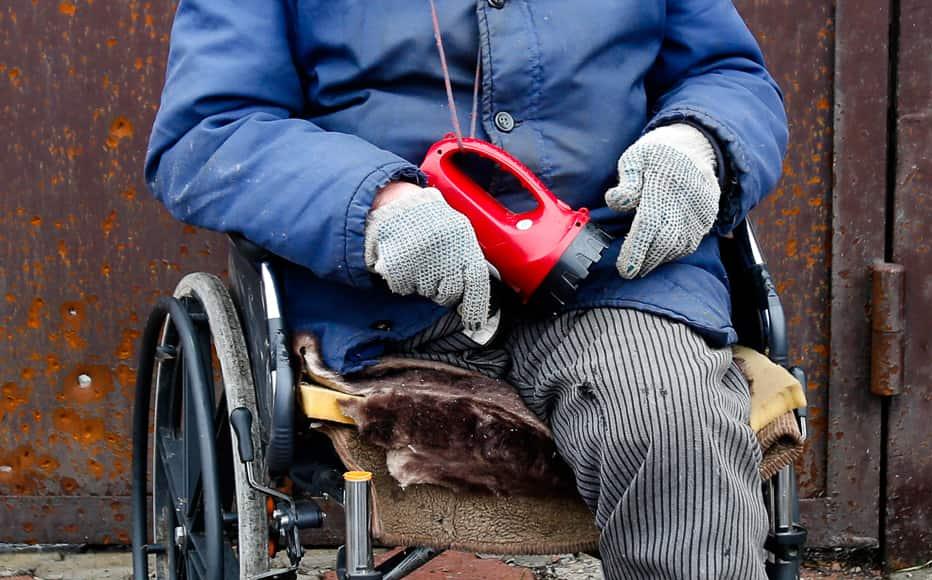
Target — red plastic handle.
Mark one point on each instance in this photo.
(467, 197)
(524, 247)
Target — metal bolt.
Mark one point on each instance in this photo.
(524, 224)
(497, 3)
(72, 312)
(84, 381)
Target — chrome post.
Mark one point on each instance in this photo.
(359, 563)
(784, 503)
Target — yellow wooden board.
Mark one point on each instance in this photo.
(322, 404)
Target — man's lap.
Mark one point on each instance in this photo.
(605, 351)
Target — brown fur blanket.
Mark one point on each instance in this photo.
(446, 426)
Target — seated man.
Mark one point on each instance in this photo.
(299, 123)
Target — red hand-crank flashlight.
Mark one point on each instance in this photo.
(543, 253)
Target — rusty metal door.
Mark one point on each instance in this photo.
(821, 234)
(858, 77)
(908, 468)
(84, 251)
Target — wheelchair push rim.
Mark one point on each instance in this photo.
(202, 526)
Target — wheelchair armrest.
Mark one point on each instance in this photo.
(256, 292)
(765, 328)
(252, 252)
(773, 317)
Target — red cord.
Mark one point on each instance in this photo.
(475, 96)
(446, 75)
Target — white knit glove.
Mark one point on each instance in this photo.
(668, 176)
(420, 245)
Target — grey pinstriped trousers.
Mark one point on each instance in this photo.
(654, 424)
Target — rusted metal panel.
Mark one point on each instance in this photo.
(795, 221)
(84, 251)
(909, 449)
(848, 512)
(888, 323)
(67, 519)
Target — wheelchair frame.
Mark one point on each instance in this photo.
(197, 520)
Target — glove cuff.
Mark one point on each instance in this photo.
(383, 213)
(689, 141)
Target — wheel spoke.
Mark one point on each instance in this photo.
(192, 454)
(164, 523)
(197, 547)
(226, 454)
(169, 452)
(230, 562)
(221, 420)
(170, 394)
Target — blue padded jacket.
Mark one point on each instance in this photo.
(280, 119)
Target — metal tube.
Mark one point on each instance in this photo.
(358, 539)
(416, 558)
(784, 506)
(756, 254)
(771, 500)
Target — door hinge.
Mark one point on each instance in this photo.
(888, 325)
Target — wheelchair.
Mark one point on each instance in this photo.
(216, 393)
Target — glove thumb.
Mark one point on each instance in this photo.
(474, 309)
(626, 196)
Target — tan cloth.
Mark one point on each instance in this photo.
(774, 391)
(775, 394)
(435, 516)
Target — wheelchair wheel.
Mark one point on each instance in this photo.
(185, 484)
(194, 349)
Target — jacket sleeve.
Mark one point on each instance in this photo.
(710, 72)
(229, 150)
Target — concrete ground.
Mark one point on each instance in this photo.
(58, 563)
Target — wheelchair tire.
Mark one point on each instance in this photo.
(187, 500)
(238, 391)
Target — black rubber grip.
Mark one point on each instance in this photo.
(567, 274)
(241, 420)
(280, 451)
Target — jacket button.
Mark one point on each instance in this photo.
(497, 3)
(382, 325)
(504, 122)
